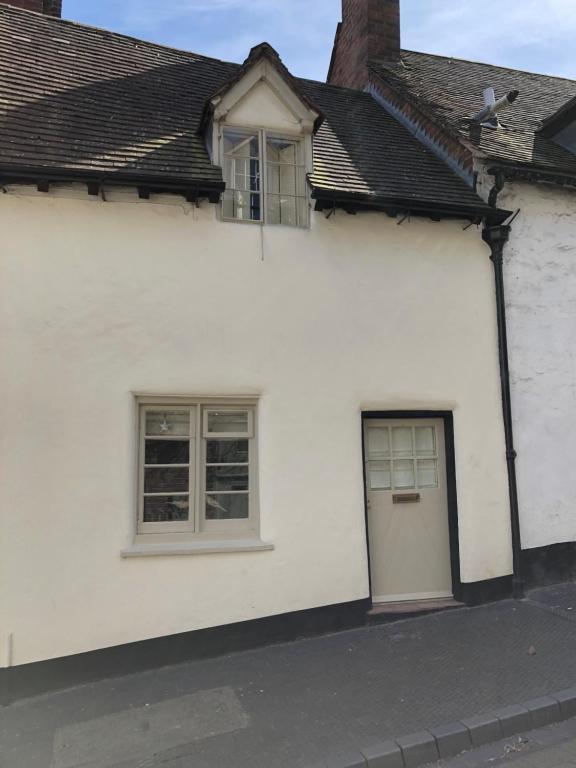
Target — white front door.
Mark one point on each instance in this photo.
(407, 509)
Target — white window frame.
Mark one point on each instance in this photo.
(198, 527)
(263, 135)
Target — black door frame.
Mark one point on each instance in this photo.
(452, 497)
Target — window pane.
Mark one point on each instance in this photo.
(282, 151)
(233, 478)
(402, 441)
(241, 205)
(222, 422)
(281, 210)
(168, 423)
(378, 442)
(404, 474)
(163, 509)
(242, 174)
(167, 452)
(226, 451)
(241, 145)
(165, 480)
(425, 441)
(273, 215)
(379, 474)
(227, 507)
(282, 180)
(427, 473)
(302, 204)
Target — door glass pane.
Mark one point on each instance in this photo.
(232, 506)
(232, 478)
(167, 452)
(427, 473)
(425, 441)
(404, 474)
(163, 509)
(402, 441)
(165, 480)
(227, 451)
(223, 422)
(379, 475)
(168, 423)
(378, 442)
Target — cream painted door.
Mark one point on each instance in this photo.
(407, 509)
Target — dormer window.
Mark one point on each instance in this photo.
(259, 129)
(277, 196)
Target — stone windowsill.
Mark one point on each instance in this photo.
(139, 549)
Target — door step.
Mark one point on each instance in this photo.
(383, 612)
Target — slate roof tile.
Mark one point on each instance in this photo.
(452, 90)
(79, 99)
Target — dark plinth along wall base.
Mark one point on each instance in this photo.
(553, 564)
(57, 674)
(45, 676)
(481, 592)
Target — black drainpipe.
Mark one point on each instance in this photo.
(497, 237)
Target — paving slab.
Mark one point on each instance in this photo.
(294, 705)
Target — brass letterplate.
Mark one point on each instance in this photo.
(406, 498)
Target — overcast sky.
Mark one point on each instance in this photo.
(537, 35)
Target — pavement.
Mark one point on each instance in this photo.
(308, 703)
(551, 747)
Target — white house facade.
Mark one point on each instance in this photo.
(252, 359)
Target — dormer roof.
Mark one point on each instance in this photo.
(264, 65)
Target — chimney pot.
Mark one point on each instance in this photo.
(370, 29)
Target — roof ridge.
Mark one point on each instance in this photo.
(488, 64)
(6, 8)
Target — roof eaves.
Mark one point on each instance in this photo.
(531, 173)
(155, 182)
(351, 201)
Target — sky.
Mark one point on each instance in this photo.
(535, 35)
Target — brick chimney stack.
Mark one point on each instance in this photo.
(370, 29)
(47, 7)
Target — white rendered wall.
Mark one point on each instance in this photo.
(540, 274)
(99, 300)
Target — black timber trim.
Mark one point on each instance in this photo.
(352, 202)
(480, 592)
(448, 419)
(551, 564)
(56, 674)
(157, 184)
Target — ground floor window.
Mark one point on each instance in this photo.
(197, 467)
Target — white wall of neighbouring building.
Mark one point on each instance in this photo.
(103, 299)
(540, 274)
